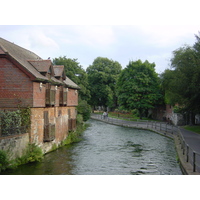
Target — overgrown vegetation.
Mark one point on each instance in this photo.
(12, 121)
(3, 160)
(75, 136)
(33, 153)
(84, 110)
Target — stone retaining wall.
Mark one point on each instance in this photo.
(14, 145)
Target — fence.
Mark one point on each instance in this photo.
(170, 130)
(146, 124)
(189, 154)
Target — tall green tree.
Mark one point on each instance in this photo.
(182, 82)
(76, 73)
(102, 78)
(138, 87)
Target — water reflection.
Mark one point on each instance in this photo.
(108, 149)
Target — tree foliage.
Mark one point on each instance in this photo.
(102, 78)
(138, 86)
(182, 82)
(84, 109)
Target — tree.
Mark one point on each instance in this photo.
(102, 78)
(182, 82)
(138, 87)
(76, 73)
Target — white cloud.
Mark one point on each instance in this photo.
(92, 36)
(39, 39)
(169, 35)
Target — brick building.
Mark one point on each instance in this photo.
(26, 80)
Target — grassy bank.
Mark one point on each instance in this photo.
(75, 136)
(195, 129)
(33, 153)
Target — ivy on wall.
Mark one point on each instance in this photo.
(14, 122)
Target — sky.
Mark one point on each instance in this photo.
(145, 30)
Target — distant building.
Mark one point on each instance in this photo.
(166, 113)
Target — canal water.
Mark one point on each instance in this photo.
(109, 150)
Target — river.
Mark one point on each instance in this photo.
(109, 150)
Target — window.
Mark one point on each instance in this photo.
(50, 97)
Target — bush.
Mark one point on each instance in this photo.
(3, 160)
(12, 120)
(33, 154)
(84, 109)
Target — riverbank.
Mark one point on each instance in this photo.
(170, 131)
(34, 153)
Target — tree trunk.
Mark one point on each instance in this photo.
(140, 113)
(191, 118)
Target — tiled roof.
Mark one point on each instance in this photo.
(70, 83)
(58, 70)
(56, 80)
(34, 64)
(22, 56)
(1, 51)
(41, 65)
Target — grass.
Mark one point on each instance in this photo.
(195, 128)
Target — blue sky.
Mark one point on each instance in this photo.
(146, 30)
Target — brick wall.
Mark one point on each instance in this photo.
(159, 112)
(39, 95)
(72, 97)
(15, 86)
(57, 116)
(169, 111)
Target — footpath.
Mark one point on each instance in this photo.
(187, 143)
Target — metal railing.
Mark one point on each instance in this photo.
(163, 127)
(189, 154)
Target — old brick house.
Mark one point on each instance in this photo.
(26, 80)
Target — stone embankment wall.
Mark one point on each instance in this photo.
(14, 145)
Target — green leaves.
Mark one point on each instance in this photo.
(182, 82)
(138, 86)
(102, 77)
(14, 120)
(3, 160)
(84, 109)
